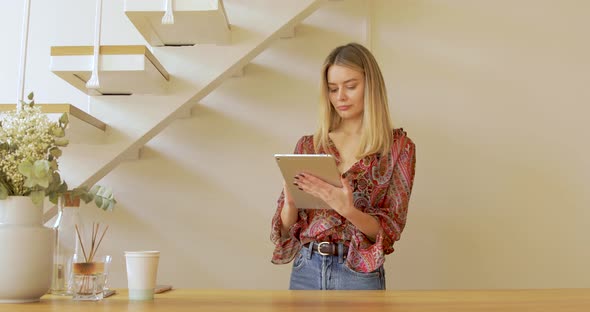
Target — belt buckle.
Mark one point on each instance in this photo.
(320, 250)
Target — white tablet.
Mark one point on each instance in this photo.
(320, 165)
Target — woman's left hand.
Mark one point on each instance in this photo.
(339, 198)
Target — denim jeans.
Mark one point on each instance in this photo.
(312, 270)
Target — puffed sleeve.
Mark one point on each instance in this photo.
(287, 247)
(393, 199)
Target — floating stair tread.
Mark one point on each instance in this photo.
(70, 109)
(195, 22)
(111, 50)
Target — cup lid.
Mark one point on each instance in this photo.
(145, 253)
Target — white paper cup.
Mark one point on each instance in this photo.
(142, 270)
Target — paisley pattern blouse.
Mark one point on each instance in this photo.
(381, 187)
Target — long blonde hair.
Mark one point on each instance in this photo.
(377, 134)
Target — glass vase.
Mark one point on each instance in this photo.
(66, 246)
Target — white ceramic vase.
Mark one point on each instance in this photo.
(26, 251)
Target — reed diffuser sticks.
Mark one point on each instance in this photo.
(93, 242)
(88, 274)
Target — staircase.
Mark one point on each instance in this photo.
(187, 84)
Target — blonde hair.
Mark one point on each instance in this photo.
(377, 135)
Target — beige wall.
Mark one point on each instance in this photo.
(492, 92)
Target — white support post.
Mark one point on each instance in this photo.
(168, 18)
(23, 53)
(94, 81)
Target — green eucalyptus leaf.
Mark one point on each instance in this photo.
(6, 186)
(99, 202)
(30, 183)
(86, 197)
(78, 191)
(94, 189)
(55, 152)
(53, 164)
(37, 197)
(83, 194)
(56, 176)
(25, 168)
(31, 96)
(55, 183)
(64, 119)
(58, 132)
(53, 197)
(104, 203)
(3, 192)
(36, 174)
(42, 173)
(62, 142)
(103, 197)
(111, 205)
(63, 187)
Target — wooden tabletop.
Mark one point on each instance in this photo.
(562, 300)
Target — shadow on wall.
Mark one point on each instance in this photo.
(141, 230)
(209, 170)
(198, 225)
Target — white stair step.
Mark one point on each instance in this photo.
(195, 22)
(123, 70)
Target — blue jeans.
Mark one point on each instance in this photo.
(312, 270)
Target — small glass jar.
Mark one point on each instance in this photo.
(90, 278)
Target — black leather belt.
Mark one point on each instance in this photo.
(327, 248)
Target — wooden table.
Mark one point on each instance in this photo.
(554, 300)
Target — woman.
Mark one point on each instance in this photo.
(344, 247)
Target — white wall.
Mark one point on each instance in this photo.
(492, 94)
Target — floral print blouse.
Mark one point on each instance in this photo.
(381, 187)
